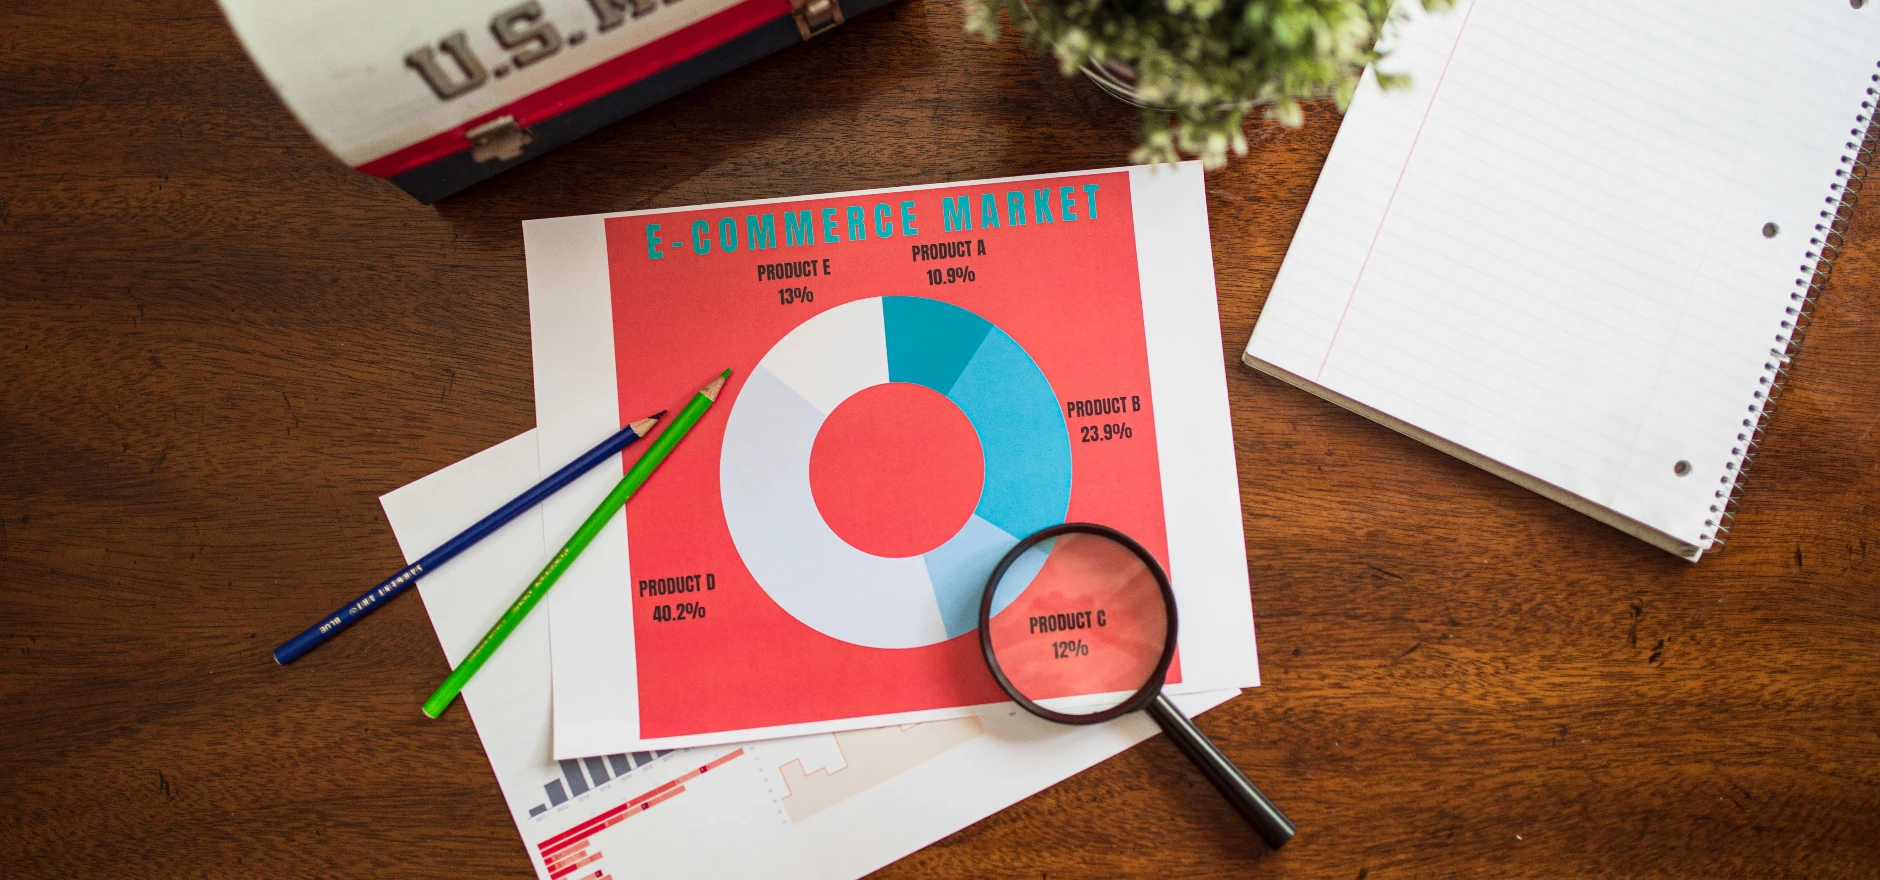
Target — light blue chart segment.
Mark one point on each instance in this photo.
(1022, 436)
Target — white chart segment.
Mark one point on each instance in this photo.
(840, 352)
(867, 600)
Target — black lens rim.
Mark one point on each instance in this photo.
(1149, 689)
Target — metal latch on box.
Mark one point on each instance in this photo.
(498, 140)
(815, 16)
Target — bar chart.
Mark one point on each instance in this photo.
(571, 854)
(598, 772)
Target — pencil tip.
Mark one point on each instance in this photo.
(726, 374)
(658, 415)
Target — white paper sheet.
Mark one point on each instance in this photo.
(827, 807)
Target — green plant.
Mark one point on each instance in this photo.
(1207, 62)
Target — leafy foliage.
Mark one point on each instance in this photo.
(1209, 62)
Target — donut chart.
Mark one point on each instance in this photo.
(788, 547)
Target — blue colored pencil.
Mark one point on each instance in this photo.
(317, 634)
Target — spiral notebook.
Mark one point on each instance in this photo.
(1578, 250)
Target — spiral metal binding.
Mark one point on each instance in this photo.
(1824, 246)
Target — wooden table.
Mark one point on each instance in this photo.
(218, 347)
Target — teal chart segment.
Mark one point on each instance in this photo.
(820, 579)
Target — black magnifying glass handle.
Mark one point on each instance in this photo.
(1271, 824)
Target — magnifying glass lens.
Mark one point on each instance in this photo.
(1089, 630)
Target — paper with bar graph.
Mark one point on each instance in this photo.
(825, 806)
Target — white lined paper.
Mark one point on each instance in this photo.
(1548, 250)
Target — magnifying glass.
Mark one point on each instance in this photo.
(1092, 638)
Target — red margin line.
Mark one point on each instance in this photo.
(1393, 194)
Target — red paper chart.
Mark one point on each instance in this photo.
(912, 399)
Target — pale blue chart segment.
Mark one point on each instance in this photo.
(833, 587)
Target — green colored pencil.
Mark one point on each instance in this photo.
(583, 536)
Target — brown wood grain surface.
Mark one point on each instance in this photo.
(218, 347)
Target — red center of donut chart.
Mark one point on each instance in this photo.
(896, 469)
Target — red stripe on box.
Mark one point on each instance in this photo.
(604, 78)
